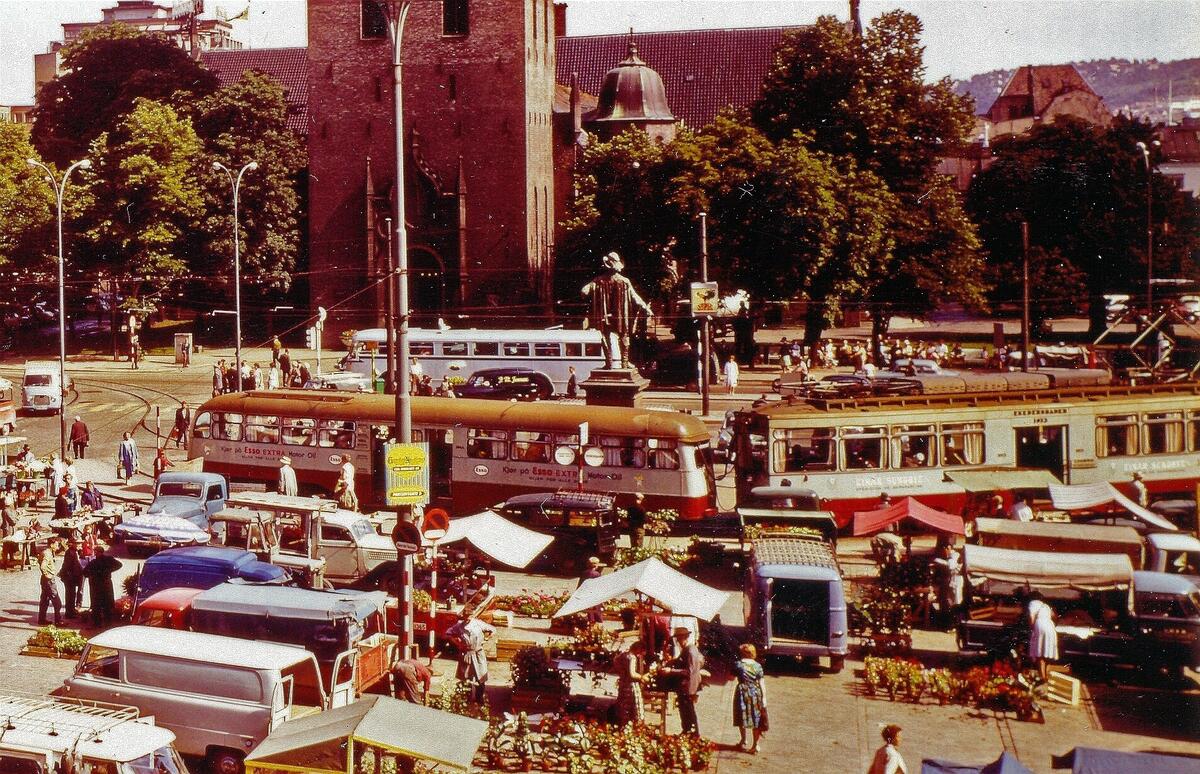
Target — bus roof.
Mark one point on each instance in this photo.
(530, 335)
(546, 416)
(231, 651)
(795, 407)
(112, 732)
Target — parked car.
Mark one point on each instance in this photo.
(203, 567)
(178, 516)
(583, 524)
(506, 384)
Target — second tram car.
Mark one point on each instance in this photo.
(481, 452)
(851, 452)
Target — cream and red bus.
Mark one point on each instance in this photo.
(851, 452)
(481, 451)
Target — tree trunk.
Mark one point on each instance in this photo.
(814, 324)
(880, 322)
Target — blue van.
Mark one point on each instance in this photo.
(203, 567)
(795, 603)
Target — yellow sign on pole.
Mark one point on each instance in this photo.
(704, 298)
(407, 473)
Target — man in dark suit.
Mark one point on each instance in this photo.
(183, 421)
(685, 669)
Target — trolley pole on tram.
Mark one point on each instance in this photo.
(705, 338)
(1025, 296)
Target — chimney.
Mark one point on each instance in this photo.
(560, 20)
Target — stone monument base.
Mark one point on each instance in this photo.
(614, 387)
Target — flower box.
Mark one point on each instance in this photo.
(538, 699)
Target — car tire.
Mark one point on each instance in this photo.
(223, 761)
(837, 664)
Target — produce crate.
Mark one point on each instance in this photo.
(506, 649)
(1064, 689)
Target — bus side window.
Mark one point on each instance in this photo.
(592, 350)
(531, 446)
(513, 349)
(336, 434)
(202, 426)
(486, 348)
(299, 431)
(546, 349)
(262, 429)
(663, 455)
(420, 348)
(487, 444)
(573, 349)
(454, 349)
(227, 426)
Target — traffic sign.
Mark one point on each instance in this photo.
(406, 537)
(594, 456)
(406, 467)
(434, 524)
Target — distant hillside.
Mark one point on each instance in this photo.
(1137, 85)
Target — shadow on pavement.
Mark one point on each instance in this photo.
(1145, 711)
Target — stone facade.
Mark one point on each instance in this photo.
(477, 126)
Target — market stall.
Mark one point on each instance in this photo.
(336, 741)
(1086, 497)
(1007, 763)
(908, 509)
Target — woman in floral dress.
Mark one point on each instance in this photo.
(629, 685)
(749, 697)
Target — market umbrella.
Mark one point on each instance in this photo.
(323, 743)
(654, 579)
(1007, 763)
(1082, 497)
(870, 522)
(497, 537)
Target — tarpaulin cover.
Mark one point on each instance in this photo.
(1082, 497)
(174, 529)
(666, 586)
(1007, 763)
(497, 537)
(870, 522)
(1002, 480)
(318, 743)
(1090, 760)
(1047, 570)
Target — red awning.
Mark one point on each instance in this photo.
(870, 522)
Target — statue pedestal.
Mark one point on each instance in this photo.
(614, 387)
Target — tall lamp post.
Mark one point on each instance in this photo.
(59, 189)
(236, 184)
(1145, 149)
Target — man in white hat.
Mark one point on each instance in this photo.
(287, 477)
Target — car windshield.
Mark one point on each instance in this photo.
(178, 489)
(37, 380)
(480, 381)
(361, 528)
(162, 761)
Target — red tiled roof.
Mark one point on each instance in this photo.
(1181, 142)
(288, 66)
(1049, 81)
(703, 70)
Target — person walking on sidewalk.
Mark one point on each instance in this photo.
(49, 581)
(731, 375)
(183, 421)
(749, 698)
(79, 437)
(127, 457)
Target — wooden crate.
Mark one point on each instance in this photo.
(1064, 689)
(506, 649)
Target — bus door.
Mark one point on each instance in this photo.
(1044, 447)
(441, 457)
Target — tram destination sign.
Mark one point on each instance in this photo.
(407, 473)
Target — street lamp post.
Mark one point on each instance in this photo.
(1145, 149)
(236, 184)
(59, 189)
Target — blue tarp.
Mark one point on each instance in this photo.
(1090, 760)
(1005, 764)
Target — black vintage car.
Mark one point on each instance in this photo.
(506, 384)
(583, 524)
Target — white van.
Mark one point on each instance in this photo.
(45, 735)
(221, 696)
(42, 388)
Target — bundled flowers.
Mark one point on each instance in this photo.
(997, 686)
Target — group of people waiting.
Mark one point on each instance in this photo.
(282, 372)
(84, 559)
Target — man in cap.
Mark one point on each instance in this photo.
(79, 437)
(287, 477)
(99, 574)
(685, 670)
(595, 615)
(613, 301)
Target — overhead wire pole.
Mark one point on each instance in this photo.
(59, 191)
(391, 312)
(1145, 149)
(1025, 296)
(705, 337)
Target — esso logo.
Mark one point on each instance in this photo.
(481, 470)
(335, 459)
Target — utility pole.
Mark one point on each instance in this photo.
(705, 338)
(1025, 296)
(391, 313)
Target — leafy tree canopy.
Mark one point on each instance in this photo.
(26, 201)
(105, 71)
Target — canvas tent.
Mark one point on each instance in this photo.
(870, 522)
(1047, 570)
(1007, 763)
(328, 742)
(1091, 760)
(1082, 497)
(988, 481)
(652, 578)
(497, 537)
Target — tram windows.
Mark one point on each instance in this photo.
(261, 429)
(486, 348)
(663, 454)
(530, 446)
(227, 426)
(573, 349)
(299, 431)
(1194, 431)
(514, 349)
(1116, 436)
(335, 434)
(454, 349)
(1164, 433)
(202, 426)
(962, 444)
(863, 448)
(622, 451)
(913, 446)
(546, 349)
(487, 444)
(416, 348)
(806, 448)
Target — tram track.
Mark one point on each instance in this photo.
(132, 391)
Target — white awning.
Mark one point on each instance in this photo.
(1047, 570)
(497, 537)
(1081, 497)
(1002, 480)
(652, 578)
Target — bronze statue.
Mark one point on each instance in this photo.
(613, 313)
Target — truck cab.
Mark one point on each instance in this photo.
(43, 388)
(794, 601)
(179, 514)
(782, 510)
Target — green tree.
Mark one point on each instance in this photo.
(247, 121)
(26, 200)
(867, 100)
(1082, 189)
(141, 197)
(106, 70)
